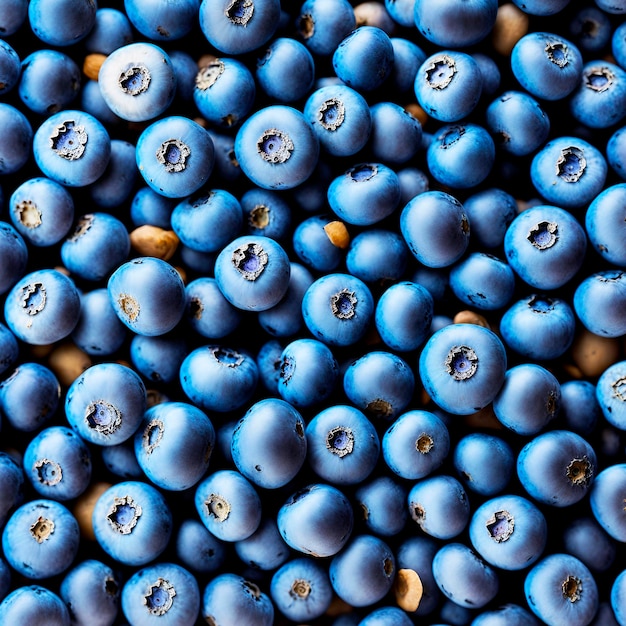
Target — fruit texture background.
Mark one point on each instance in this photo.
(313, 312)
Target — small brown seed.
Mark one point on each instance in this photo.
(408, 589)
(153, 241)
(84, 505)
(338, 234)
(511, 25)
(92, 64)
(68, 362)
(592, 354)
(471, 317)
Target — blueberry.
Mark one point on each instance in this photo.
(276, 147)
(91, 584)
(230, 600)
(13, 16)
(316, 520)
(111, 30)
(507, 615)
(301, 589)
(15, 151)
(604, 223)
(121, 461)
(580, 409)
(218, 378)
(175, 156)
(490, 212)
(264, 549)
(161, 593)
(597, 300)
(617, 596)
(585, 539)
(377, 256)
(386, 615)
(13, 482)
(40, 539)
(606, 500)
(509, 532)
(162, 21)
(269, 445)
(396, 135)
(363, 572)
(417, 552)
(118, 179)
(464, 577)
(14, 256)
(106, 403)
(266, 213)
(198, 549)
(383, 506)
(407, 55)
(35, 605)
(148, 295)
(439, 506)
(132, 522)
(323, 24)
(78, 19)
(313, 245)
(610, 392)
(462, 367)
(561, 587)
(435, 227)
(208, 312)
(43, 307)
(150, 207)
(228, 505)
(57, 462)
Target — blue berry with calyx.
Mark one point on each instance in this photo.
(530, 397)
(161, 593)
(175, 156)
(208, 312)
(269, 445)
(383, 505)
(462, 367)
(316, 520)
(106, 403)
(598, 301)
(276, 147)
(448, 85)
(323, 24)
(43, 307)
(72, 147)
(509, 532)
(436, 228)
(253, 272)
(266, 213)
(132, 522)
(611, 394)
(148, 295)
(228, 505)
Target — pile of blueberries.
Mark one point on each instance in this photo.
(313, 312)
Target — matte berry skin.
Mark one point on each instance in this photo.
(600, 98)
(396, 134)
(517, 122)
(580, 409)
(224, 91)
(269, 444)
(618, 592)
(585, 539)
(342, 445)
(461, 156)
(164, 20)
(264, 549)
(198, 549)
(322, 24)
(490, 212)
(12, 477)
(568, 172)
(158, 358)
(435, 227)
(174, 434)
(16, 151)
(538, 327)
(175, 156)
(365, 194)
(417, 553)
(208, 312)
(312, 245)
(507, 615)
(546, 65)
(337, 309)
(364, 59)
(285, 57)
(149, 207)
(509, 532)
(605, 224)
(88, 584)
(386, 615)
(545, 246)
(9, 349)
(43, 307)
(78, 20)
(228, 505)
(403, 315)
(377, 256)
(340, 117)
(252, 272)
(42, 211)
(448, 85)
(266, 213)
(363, 572)
(13, 17)
(61, 81)
(308, 372)
(383, 505)
(416, 444)
(449, 24)
(462, 367)
(40, 539)
(301, 589)
(97, 246)
(14, 256)
(132, 522)
(57, 462)
(316, 520)
(72, 147)
(118, 179)
(111, 30)
(121, 461)
(106, 403)
(557, 468)
(610, 394)
(598, 302)
(161, 593)
(148, 295)
(484, 462)
(276, 147)
(34, 605)
(217, 378)
(29, 396)
(606, 500)
(561, 587)
(230, 600)
(439, 506)
(10, 68)
(464, 577)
